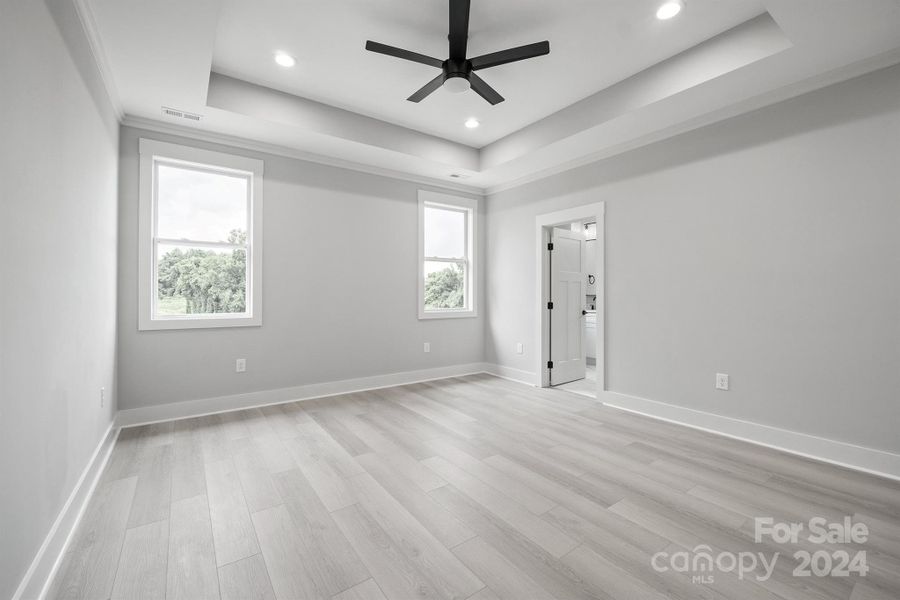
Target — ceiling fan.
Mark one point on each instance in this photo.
(458, 72)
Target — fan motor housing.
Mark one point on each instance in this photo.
(457, 68)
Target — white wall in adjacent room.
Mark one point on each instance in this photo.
(766, 247)
(339, 284)
(58, 202)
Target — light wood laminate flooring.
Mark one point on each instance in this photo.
(472, 487)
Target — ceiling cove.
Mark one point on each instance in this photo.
(616, 76)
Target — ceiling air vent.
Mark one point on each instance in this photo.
(180, 114)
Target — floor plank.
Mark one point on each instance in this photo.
(192, 557)
(509, 486)
(256, 479)
(540, 532)
(285, 555)
(622, 552)
(88, 569)
(141, 573)
(246, 579)
(443, 525)
(232, 529)
(485, 593)
(395, 572)
(419, 546)
(188, 475)
(503, 578)
(550, 574)
(331, 487)
(367, 590)
(606, 576)
(328, 556)
(154, 489)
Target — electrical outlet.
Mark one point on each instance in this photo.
(240, 365)
(102, 397)
(427, 347)
(520, 348)
(722, 381)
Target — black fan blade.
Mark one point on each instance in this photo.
(459, 28)
(404, 54)
(494, 59)
(426, 89)
(484, 90)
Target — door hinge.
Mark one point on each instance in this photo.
(549, 306)
(550, 246)
(549, 364)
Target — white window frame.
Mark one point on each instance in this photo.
(468, 206)
(152, 153)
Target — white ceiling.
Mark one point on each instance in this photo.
(593, 45)
(616, 77)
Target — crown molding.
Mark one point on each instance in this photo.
(856, 69)
(256, 146)
(89, 26)
(783, 94)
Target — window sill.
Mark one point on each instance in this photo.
(198, 323)
(466, 314)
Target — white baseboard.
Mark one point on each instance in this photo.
(860, 458)
(205, 406)
(518, 375)
(42, 569)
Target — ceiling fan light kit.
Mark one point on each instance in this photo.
(458, 72)
(457, 84)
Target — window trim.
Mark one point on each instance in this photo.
(469, 206)
(152, 152)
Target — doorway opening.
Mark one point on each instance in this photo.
(570, 302)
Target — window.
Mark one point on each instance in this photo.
(200, 238)
(446, 256)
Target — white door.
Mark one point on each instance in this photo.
(567, 290)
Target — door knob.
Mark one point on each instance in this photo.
(583, 312)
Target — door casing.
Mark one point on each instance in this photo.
(543, 226)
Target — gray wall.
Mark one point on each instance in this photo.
(58, 170)
(766, 247)
(339, 291)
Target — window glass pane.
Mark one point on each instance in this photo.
(200, 281)
(445, 233)
(444, 285)
(200, 206)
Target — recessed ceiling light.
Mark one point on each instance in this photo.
(285, 60)
(472, 123)
(669, 9)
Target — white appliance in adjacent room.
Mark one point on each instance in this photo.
(590, 319)
(590, 337)
(590, 260)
